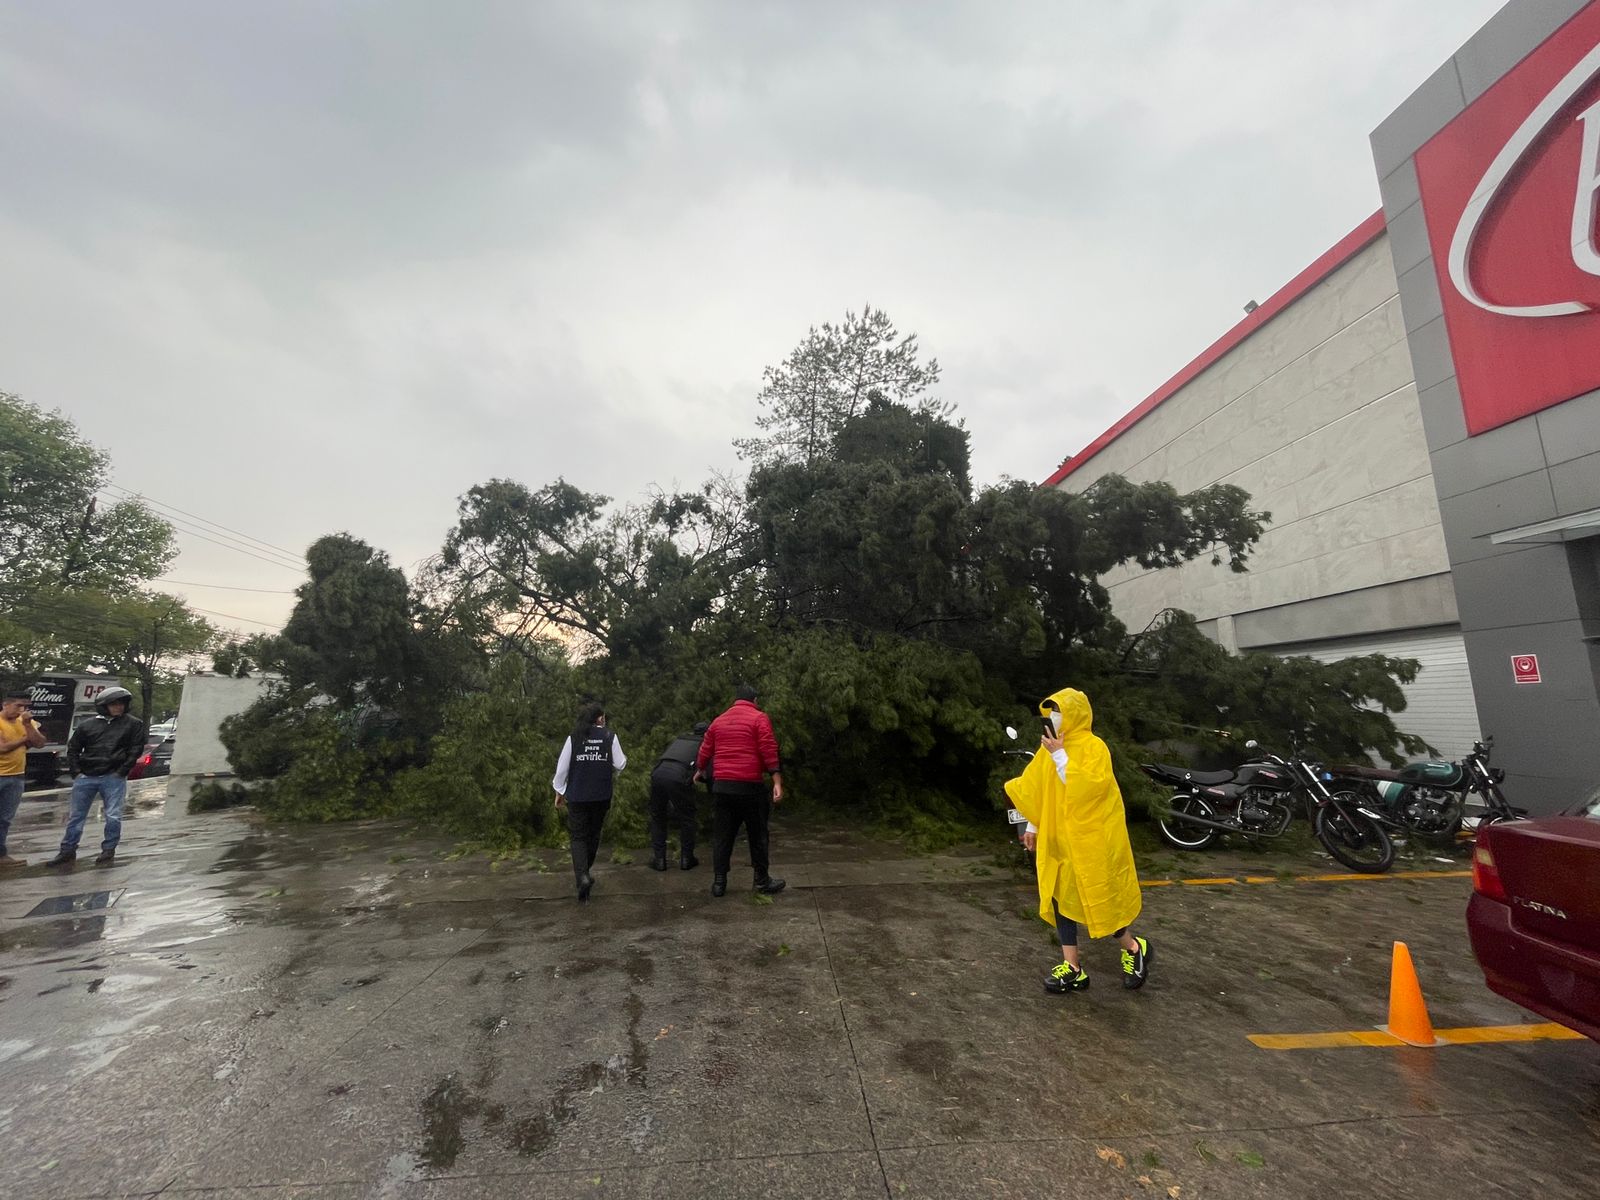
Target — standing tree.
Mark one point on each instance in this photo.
(828, 379)
(133, 635)
(56, 537)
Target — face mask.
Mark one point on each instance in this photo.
(1055, 719)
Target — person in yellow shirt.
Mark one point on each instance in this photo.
(1079, 834)
(18, 734)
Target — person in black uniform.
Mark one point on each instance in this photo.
(584, 776)
(672, 795)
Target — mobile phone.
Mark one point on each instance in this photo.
(1049, 728)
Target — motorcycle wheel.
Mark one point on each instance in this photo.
(1352, 837)
(1181, 835)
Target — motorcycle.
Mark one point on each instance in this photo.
(1258, 801)
(1429, 798)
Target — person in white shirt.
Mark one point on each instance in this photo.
(589, 762)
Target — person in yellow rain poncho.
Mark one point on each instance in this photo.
(1079, 834)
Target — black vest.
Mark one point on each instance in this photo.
(676, 764)
(589, 778)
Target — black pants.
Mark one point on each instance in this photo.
(671, 801)
(1067, 930)
(583, 825)
(732, 805)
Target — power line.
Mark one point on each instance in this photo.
(227, 587)
(184, 528)
(207, 521)
(211, 612)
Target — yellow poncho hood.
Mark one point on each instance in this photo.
(1084, 860)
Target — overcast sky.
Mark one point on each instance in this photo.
(312, 266)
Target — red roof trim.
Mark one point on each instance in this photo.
(1345, 249)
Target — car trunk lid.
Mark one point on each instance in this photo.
(1551, 872)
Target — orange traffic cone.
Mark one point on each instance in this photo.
(1408, 1014)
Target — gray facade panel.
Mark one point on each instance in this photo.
(1530, 586)
(1400, 189)
(1471, 517)
(1571, 430)
(1576, 484)
(1419, 295)
(1412, 238)
(1511, 450)
(1507, 39)
(1539, 728)
(1430, 108)
(1408, 604)
(1443, 420)
(1431, 359)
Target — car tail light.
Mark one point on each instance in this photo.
(1485, 877)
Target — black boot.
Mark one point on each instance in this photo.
(770, 886)
(63, 858)
(658, 861)
(107, 858)
(585, 886)
(719, 885)
(687, 861)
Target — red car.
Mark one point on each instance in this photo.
(1534, 917)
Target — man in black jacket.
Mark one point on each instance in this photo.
(100, 753)
(672, 794)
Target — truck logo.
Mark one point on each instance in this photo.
(1539, 908)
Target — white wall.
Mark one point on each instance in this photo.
(207, 699)
(1316, 416)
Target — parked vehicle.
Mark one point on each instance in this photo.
(156, 760)
(1534, 916)
(60, 702)
(1259, 801)
(1430, 798)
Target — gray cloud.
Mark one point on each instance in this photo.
(309, 266)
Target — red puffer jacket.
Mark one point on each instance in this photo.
(740, 745)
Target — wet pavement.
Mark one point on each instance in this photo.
(350, 1011)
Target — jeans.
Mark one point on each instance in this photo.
(750, 806)
(583, 827)
(671, 800)
(112, 790)
(10, 798)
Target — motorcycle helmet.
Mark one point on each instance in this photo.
(110, 696)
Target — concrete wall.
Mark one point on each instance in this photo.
(207, 700)
(1316, 415)
(1539, 599)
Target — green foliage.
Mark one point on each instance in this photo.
(893, 619)
(488, 775)
(211, 796)
(71, 564)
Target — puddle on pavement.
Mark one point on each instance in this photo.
(57, 906)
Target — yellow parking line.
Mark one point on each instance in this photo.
(1224, 880)
(1472, 1035)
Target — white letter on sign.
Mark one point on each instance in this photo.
(1583, 208)
(1511, 154)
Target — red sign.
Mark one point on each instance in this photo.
(1511, 195)
(1525, 668)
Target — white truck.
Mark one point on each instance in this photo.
(208, 700)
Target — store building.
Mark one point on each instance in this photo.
(1490, 177)
(1419, 410)
(1310, 406)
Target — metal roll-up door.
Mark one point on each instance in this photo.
(1440, 706)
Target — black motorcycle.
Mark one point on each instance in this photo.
(1258, 801)
(1429, 798)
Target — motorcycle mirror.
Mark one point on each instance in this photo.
(1252, 744)
(1011, 733)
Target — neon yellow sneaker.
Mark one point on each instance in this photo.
(1066, 978)
(1136, 965)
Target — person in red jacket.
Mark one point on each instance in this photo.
(741, 748)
